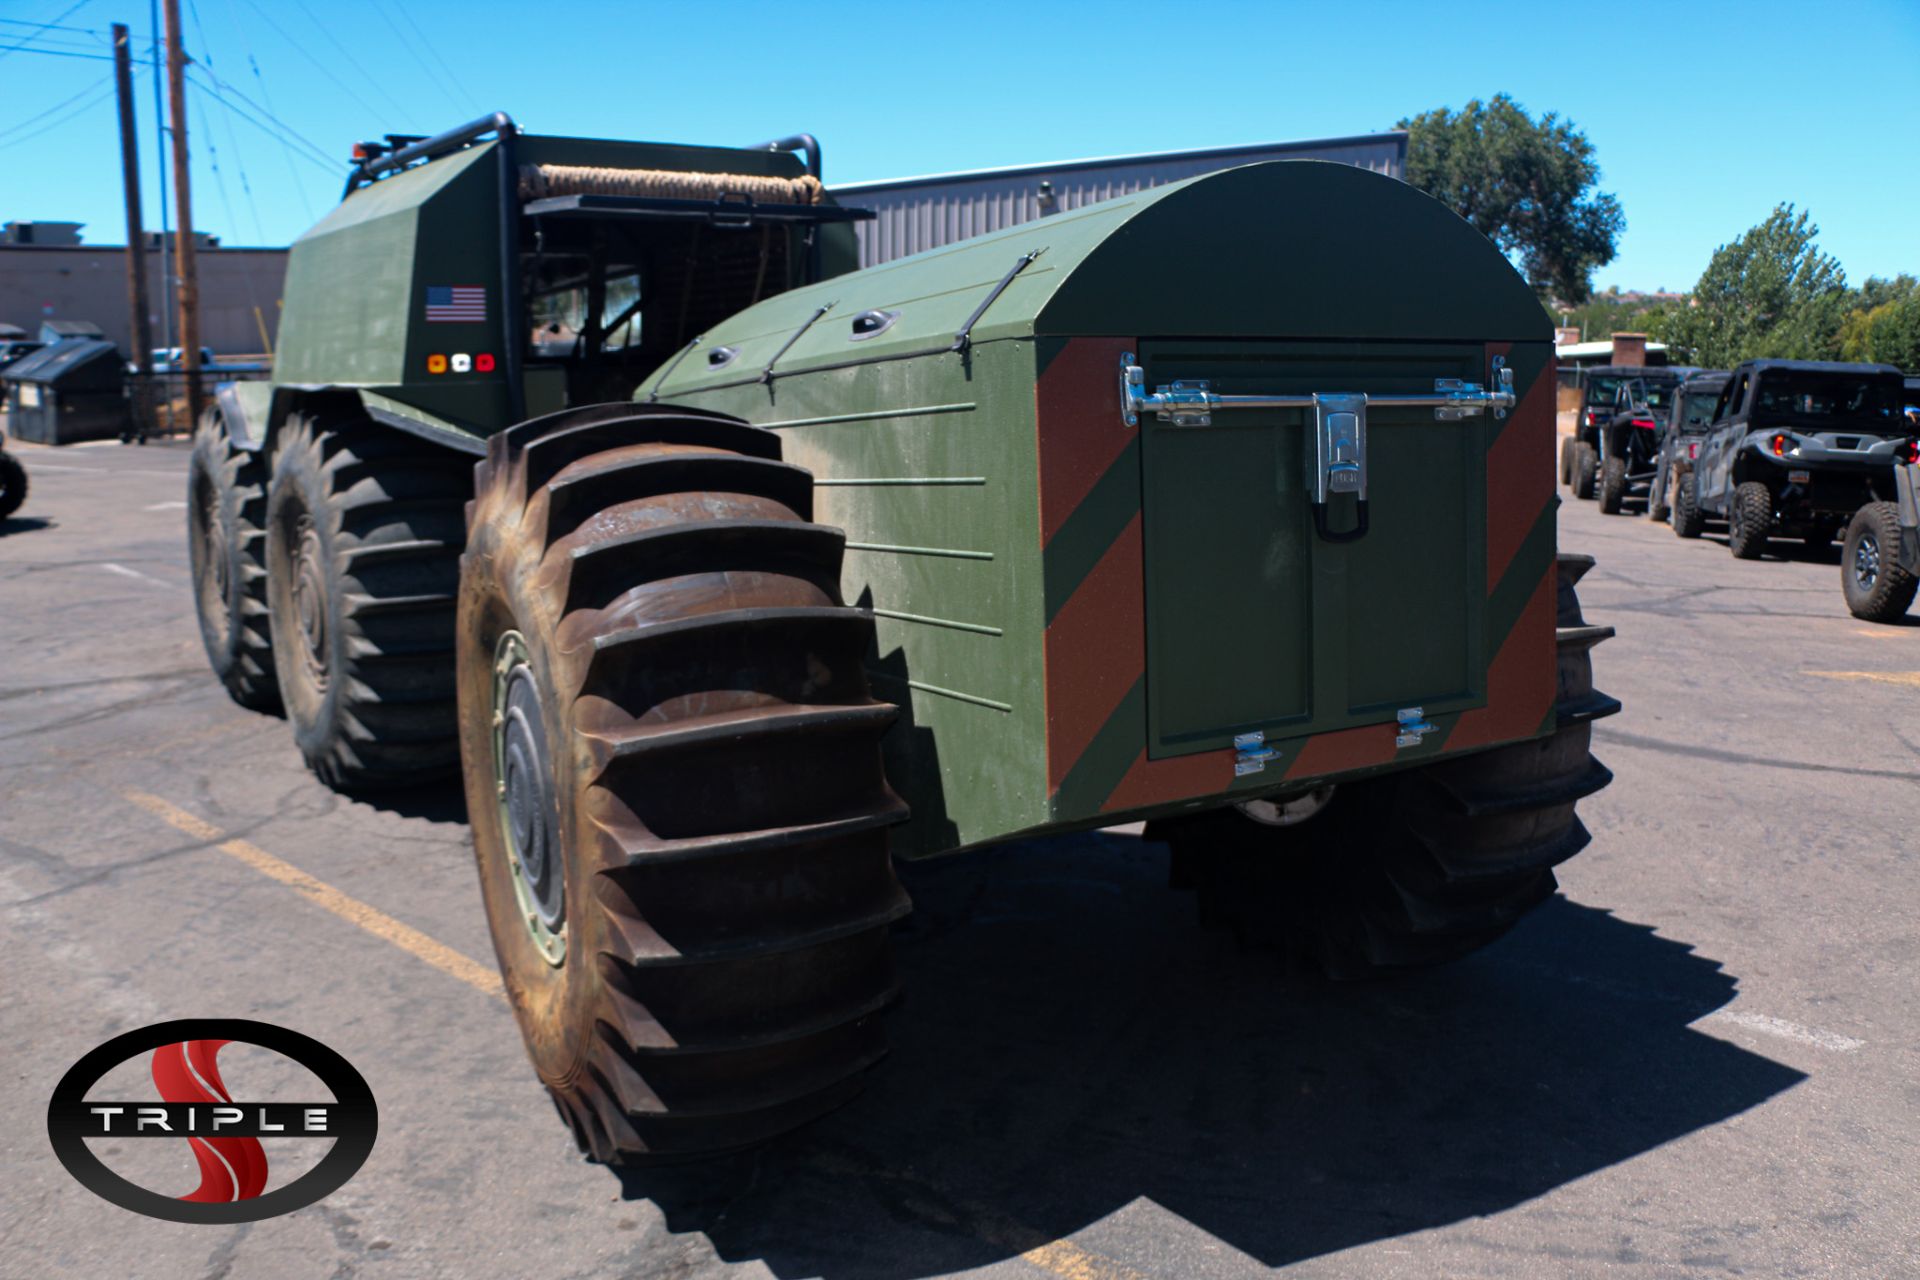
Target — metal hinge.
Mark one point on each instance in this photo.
(1251, 753)
(1414, 726)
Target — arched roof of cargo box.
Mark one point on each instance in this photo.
(1288, 249)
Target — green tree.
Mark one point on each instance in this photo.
(1884, 325)
(1772, 293)
(1527, 185)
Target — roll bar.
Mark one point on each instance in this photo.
(798, 142)
(427, 148)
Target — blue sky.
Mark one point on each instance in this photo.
(1704, 115)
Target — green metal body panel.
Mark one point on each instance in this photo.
(1006, 526)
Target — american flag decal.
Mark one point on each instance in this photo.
(460, 303)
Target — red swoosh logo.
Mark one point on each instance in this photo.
(230, 1168)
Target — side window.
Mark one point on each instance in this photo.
(1730, 399)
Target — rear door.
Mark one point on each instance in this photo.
(1256, 621)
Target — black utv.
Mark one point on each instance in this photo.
(1671, 497)
(1630, 442)
(1797, 446)
(1580, 456)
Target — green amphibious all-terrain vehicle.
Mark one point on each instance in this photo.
(729, 574)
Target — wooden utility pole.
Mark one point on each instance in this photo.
(142, 328)
(183, 246)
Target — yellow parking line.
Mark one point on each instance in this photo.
(1062, 1258)
(1909, 678)
(323, 895)
(1067, 1259)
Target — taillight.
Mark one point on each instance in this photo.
(1693, 450)
(1910, 451)
(1779, 445)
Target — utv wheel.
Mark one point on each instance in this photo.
(1877, 587)
(1566, 460)
(1750, 521)
(1586, 463)
(364, 529)
(1688, 520)
(226, 545)
(13, 485)
(674, 780)
(1658, 509)
(1417, 867)
(1613, 486)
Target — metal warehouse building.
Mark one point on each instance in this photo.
(915, 214)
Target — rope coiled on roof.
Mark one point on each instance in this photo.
(539, 181)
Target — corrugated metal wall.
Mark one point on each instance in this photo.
(915, 214)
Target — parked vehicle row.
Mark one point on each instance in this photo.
(1773, 449)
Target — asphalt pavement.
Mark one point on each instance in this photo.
(1700, 1060)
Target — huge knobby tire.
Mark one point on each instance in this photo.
(1586, 465)
(1566, 460)
(674, 780)
(1417, 867)
(227, 547)
(1689, 521)
(1878, 588)
(1750, 521)
(13, 484)
(1613, 485)
(364, 531)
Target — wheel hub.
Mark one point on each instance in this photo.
(529, 816)
(1866, 562)
(310, 600)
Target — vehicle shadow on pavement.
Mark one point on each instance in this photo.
(23, 524)
(441, 801)
(1071, 1044)
(1790, 551)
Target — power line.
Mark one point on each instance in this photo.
(443, 82)
(95, 100)
(47, 26)
(55, 53)
(233, 138)
(308, 152)
(306, 53)
(347, 53)
(68, 13)
(286, 151)
(94, 87)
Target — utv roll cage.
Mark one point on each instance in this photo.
(376, 161)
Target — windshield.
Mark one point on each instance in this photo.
(1657, 395)
(1602, 390)
(1820, 399)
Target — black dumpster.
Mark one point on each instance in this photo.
(74, 389)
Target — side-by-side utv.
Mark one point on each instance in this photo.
(727, 575)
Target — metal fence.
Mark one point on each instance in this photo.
(157, 404)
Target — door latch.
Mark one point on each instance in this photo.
(1339, 461)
